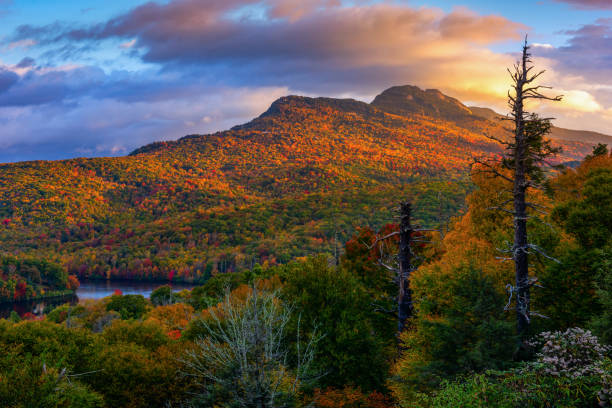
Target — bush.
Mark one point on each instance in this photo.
(574, 353)
(571, 369)
(163, 296)
(242, 360)
(514, 389)
(336, 303)
(27, 382)
(128, 306)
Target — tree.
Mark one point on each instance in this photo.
(243, 360)
(163, 296)
(526, 153)
(357, 340)
(459, 327)
(404, 265)
(128, 306)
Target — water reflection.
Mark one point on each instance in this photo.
(87, 290)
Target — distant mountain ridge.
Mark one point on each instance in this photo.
(408, 101)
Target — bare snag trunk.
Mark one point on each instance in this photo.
(520, 247)
(404, 299)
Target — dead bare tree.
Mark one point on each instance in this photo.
(401, 263)
(526, 155)
(404, 297)
(244, 356)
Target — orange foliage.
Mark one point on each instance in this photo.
(186, 209)
(73, 282)
(171, 317)
(350, 398)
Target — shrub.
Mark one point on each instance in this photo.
(163, 296)
(572, 353)
(242, 361)
(513, 389)
(571, 369)
(128, 306)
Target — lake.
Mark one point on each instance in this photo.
(88, 290)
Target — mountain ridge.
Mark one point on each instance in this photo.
(407, 101)
(287, 184)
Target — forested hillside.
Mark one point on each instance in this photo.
(293, 182)
(457, 351)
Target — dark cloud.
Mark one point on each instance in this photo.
(588, 50)
(321, 33)
(205, 52)
(7, 79)
(42, 86)
(91, 127)
(588, 4)
(26, 62)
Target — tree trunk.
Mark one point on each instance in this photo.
(520, 246)
(404, 300)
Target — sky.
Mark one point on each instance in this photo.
(90, 78)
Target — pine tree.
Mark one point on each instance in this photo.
(527, 153)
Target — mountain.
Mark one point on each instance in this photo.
(290, 183)
(410, 100)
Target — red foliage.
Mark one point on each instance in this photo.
(6, 221)
(174, 334)
(171, 274)
(73, 283)
(20, 290)
(117, 292)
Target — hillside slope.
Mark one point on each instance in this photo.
(304, 174)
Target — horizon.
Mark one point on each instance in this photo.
(90, 81)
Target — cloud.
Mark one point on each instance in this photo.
(128, 44)
(589, 47)
(218, 63)
(316, 47)
(539, 45)
(7, 79)
(24, 43)
(102, 127)
(318, 37)
(588, 4)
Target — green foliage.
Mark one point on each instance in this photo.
(588, 217)
(462, 331)
(163, 296)
(539, 148)
(337, 304)
(578, 288)
(514, 389)
(602, 322)
(599, 150)
(568, 294)
(128, 306)
(130, 365)
(14, 317)
(27, 382)
(143, 334)
(571, 370)
(26, 277)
